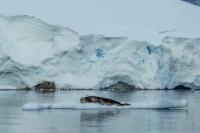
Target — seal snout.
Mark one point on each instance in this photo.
(83, 100)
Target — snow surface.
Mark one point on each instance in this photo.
(32, 50)
(139, 19)
(159, 104)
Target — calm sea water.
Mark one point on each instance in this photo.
(14, 120)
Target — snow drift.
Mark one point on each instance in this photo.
(32, 50)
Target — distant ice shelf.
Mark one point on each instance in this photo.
(32, 50)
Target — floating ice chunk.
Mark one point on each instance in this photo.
(160, 104)
(7, 87)
(36, 106)
(77, 106)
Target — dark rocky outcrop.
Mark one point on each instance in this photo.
(195, 2)
(45, 86)
(119, 86)
(181, 87)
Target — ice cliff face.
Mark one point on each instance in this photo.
(26, 44)
(32, 50)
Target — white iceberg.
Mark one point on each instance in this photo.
(36, 106)
(158, 104)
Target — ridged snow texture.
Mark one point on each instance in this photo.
(32, 51)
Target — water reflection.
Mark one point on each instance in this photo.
(13, 119)
(98, 115)
(95, 121)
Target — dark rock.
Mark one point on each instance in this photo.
(181, 87)
(119, 86)
(45, 86)
(195, 2)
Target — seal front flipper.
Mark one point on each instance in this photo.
(126, 104)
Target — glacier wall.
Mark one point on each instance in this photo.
(32, 51)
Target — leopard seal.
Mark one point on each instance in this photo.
(102, 101)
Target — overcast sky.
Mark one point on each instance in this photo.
(110, 17)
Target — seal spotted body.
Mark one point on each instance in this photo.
(101, 100)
